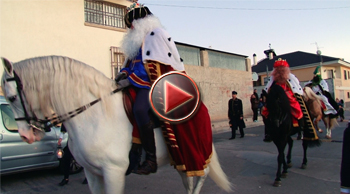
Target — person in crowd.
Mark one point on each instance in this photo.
(341, 109)
(345, 163)
(235, 115)
(67, 157)
(254, 101)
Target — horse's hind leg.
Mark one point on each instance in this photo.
(200, 181)
(327, 122)
(305, 145)
(318, 118)
(187, 181)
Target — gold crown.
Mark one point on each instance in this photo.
(134, 5)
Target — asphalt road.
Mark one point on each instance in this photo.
(249, 162)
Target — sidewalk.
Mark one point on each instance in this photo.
(223, 126)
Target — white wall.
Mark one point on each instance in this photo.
(31, 28)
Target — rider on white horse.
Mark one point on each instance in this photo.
(150, 52)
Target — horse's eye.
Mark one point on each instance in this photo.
(12, 98)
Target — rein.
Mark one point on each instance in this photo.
(46, 124)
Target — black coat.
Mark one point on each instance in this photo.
(235, 111)
(345, 164)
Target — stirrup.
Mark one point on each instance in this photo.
(147, 167)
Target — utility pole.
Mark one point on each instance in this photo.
(318, 52)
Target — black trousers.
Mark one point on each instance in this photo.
(345, 163)
(255, 114)
(235, 123)
(67, 157)
(341, 113)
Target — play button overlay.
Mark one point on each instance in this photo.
(174, 97)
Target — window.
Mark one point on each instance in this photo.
(117, 60)
(227, 61)
(190, 55)
(348, 74)
(345, 75)
(330, 73)
(8, 119)
(104, 13)
(348, 94)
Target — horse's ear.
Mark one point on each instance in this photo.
(7, 66)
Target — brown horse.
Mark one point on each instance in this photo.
(314, 104)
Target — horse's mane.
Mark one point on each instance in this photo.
(310, 95)
(277, 99)
(60, 84)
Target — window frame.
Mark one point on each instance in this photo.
(108, 14)
(117, 60)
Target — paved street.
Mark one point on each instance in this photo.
(249, 162)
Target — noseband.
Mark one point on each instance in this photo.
(46, 124)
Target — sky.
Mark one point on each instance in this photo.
(248, 27)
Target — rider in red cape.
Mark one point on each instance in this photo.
(281, 76)
(151, 52)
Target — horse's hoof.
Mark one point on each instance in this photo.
(277, 184)
(328, 137)
(320, 130)
(289, 165)
(303, 166)
(284, 175)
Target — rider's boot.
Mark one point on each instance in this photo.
(148, 144)
(134, 158)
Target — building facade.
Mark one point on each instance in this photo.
(91, 32)
(334, 70)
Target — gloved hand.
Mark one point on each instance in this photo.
(123, 83)
(121, 76)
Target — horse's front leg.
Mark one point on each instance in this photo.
(114, 179)
(95, 182)
(305, 145)
(280, 161)
(289, 154)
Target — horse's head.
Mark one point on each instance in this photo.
(278, 106)
(13, 93)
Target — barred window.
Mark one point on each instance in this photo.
(117, 60)
(104, 13)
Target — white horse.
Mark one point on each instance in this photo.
(100, 138)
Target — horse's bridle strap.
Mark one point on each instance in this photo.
(55, 120)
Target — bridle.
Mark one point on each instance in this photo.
(46, 124)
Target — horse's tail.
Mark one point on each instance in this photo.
(217, 174)
(333, 122)
(313, 143)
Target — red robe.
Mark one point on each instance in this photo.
(295, 106)
(190, 142)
